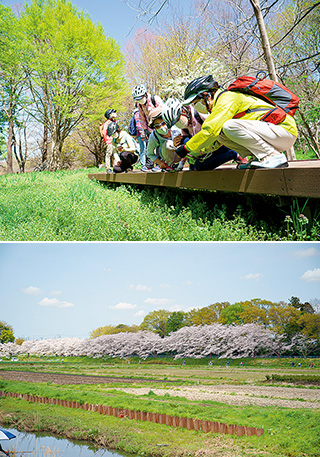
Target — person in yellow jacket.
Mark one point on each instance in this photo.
(249, 136)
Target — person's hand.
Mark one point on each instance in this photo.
(119, 163)
(120, 148)
(177, 140)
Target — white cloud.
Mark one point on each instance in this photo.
(140, 287)
(158, 301)
(55, 303)
(309, 252)
(123, 305)
(311, 275)
(31, 290)
(107, 269)
(253, 277)
(140, 313)
(165, 285)
(187, 283)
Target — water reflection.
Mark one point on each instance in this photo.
(40, 445)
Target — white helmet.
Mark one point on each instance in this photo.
(171, 111)
(139, 91)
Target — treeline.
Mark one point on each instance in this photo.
(282, 318)
(197, 342)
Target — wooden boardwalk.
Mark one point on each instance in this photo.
(300, 179)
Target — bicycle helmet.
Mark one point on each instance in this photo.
(197, 86)
(153, 115)
(108, 113)
(171, 111)
(139, 91)
(113, 127)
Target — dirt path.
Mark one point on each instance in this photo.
(242, 395)
(287, 397)
(57, 378)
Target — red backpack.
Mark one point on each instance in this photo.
(285, 101)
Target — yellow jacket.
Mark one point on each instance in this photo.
(226, 107)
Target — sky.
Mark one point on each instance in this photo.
(51, 290)
(119, 18)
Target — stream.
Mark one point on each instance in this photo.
(43, 445)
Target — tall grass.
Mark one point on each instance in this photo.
(66, 205)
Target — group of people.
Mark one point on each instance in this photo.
(209, 127)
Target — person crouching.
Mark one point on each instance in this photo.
(125, 149)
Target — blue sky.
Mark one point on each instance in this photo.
(69, 289)
(119, 18)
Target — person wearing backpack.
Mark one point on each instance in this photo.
(146, 103)
(236, 120)
(111, 116)
(190, 122)
(136, 130)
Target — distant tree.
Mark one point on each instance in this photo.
(232, 314)
(112, 330)
(303, 344)
(206, 315)
(6, 333)
(309, 325)
(175, 321)
(303, 307)
(19, 341)
(156, 322)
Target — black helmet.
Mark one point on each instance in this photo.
(113, 127)
(108, 113)
(197, 86)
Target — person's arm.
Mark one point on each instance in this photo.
(139, 128)
(128, 144)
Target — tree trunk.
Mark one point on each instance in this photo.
(44, 149)
(9, 144)
(267, 54)
(312, 138)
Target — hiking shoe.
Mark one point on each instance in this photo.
(270, 161)
(156, 169)
(180, 166)
(241, 161)
(169, 169)
(145, 169)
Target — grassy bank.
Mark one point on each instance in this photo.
(284, 433)
(66, 205)
(288, 432)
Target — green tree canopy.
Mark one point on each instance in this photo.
(156, 321)
(6, 333)
(73, 68)
(175, 321)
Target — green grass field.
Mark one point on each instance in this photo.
(289, 432)
(66, 205)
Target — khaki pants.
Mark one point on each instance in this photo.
(256, 138)
(109, 157)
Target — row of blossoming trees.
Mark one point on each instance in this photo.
(216, 340)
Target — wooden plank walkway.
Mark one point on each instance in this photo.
(300, 179)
